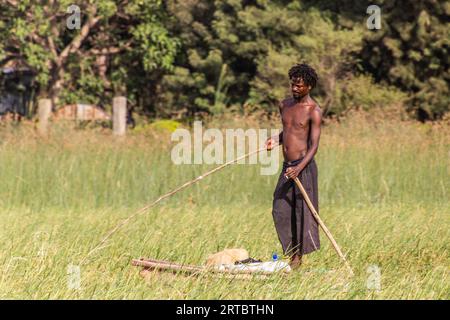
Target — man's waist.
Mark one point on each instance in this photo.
(292, 163)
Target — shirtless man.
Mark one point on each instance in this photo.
(301, 117)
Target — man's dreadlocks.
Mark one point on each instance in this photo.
(304, 72)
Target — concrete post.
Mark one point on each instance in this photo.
(119, 116)
(44, 112)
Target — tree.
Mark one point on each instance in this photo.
(243, 49)
(318, 42)
(410, 51)
(113, 38)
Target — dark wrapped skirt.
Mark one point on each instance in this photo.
(297, 229)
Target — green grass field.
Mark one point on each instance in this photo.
(383, 188)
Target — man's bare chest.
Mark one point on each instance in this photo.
(295, 118)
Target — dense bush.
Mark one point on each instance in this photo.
(185, 59)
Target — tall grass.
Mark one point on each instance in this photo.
(383, 189)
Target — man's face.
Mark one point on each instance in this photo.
(299, 88)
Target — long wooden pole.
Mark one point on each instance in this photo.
(322, 225)
(145, 209)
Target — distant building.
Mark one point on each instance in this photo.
(81, 112)
(17, 89)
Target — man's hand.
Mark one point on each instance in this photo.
(293, 172)
(271, 143)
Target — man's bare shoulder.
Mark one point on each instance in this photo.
(315, 109)
(286, 102)
(316, 113)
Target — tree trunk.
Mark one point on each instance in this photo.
(55, 85)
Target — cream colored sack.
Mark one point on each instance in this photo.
(227, 256)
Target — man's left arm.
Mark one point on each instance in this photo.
(316, 120)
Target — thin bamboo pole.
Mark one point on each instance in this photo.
(183, 186)
(322, 225)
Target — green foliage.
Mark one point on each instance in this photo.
(125, 40)
(169, 125)
(259, 42)
(106, 8)
(412, 53)
(319, 44)
(271, 83)
(220, 96)
(37, 58)
(176, 58)
(331, 50)
(158, 126)
(361, 92)
(155, 46)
